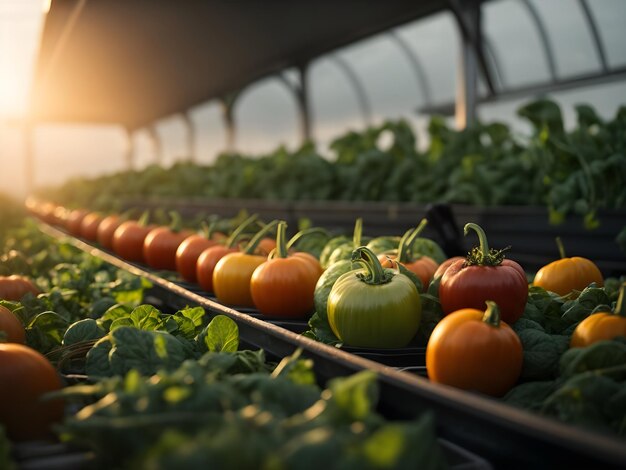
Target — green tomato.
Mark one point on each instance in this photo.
(380, 245)
(374, 307)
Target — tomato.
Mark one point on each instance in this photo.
(602, 325)
(187, 255)
(74, 220)
(265, 247)
(568, 276)
(25, 376)
(161, 243)
(89, 226)
(11, 326)
(128, 239)
(15, 287)
(472, 349)
(210, 256)
(233, 272)
(106, 229)
(374, 307)
(423, 267)
(484, 275)
(283, 285)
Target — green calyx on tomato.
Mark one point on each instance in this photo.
(482, 255)
(373, 306)
(254, 242)
(344, 251)
(406, 243)
(176, 223)
(281, 250)
(208, 229)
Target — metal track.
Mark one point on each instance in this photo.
(505, 436)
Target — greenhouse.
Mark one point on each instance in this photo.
(348, 234)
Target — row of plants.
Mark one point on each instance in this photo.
(165, 390)
(578, 171)
(394, 291)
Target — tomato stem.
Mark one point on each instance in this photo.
(492, 314)
(482, 237)
(281, 245)
(482, 255)
(305, 233)
(620, 306)
(375, 274)
(250, 247)
(405, 252)
(176, 223)
(208, 229)
(561, 248)
(143, 220)
(358, 232)
(234, 237)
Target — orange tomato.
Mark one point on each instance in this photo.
(15, 287)
(474, 350)
(25, 376)
(231, 278)
(89, 226)
(602, 325)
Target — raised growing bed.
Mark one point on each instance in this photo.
(504, 436)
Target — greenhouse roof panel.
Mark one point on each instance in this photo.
(134, 62)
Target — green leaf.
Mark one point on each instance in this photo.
(146, 317)
(221, 335)
(97, 363)
(354, 397)
(145, 351)
(530, 395)
(115, 312)
(83, 330)
(600, 355)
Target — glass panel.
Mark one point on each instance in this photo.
(435, 40)
(610, 16)
(172, 133)
(266, 117)
(570, 35)
(386, 75)
(333, 103)
(210, 134)
(515, 42)
(61, 152)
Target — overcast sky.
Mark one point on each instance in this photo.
(266, 112)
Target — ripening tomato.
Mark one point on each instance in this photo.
(15, 287)
(25, 376)
(283, 285)
(89, 226)
(128, 239)
(11, 326)
(106, 229)
(74, 221)
(161, 243)
(472, 349)
(568, 276)
(187, 255)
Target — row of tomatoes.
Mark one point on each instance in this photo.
(282, 283)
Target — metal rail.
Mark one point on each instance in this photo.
(509, 438)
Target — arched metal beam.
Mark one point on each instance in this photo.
(300, 93)
(129, 150)
(543, 36)
(155, 142)
(228, 104)
(468, 18)
(595, 33)
(191, 136)
(359, 89)
(416, 65)
(490, 50)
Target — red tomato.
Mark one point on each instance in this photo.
(89, 226)
(128, 240)
(188, 253)
(160, 245)
(106, 229)
(74, 221)
(486, 276)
